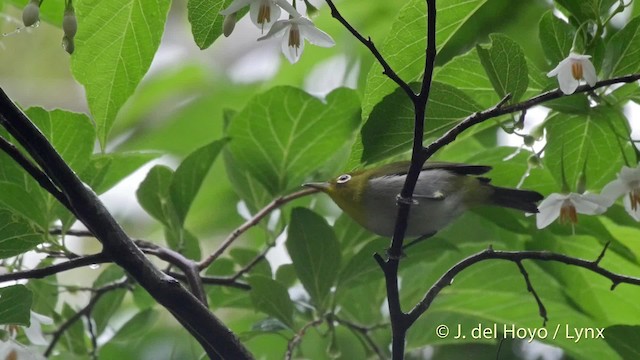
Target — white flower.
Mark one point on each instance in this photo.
(263, 13)
(293, 32)
(627, 183)
(34, 331)
(567, 207)
(571, 70)
(11, 349)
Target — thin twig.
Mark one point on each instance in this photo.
(513, 256)
(388, 71)
(364, 332)
(83, 312)
(74, 263)
(276, 203)
(541, 309)
(260, 257)
(293, 343)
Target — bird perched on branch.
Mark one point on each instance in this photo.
(443, 192)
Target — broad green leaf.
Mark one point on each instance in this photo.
(596, 138)
(188, 177)
(404, 47)
(109, 303)
(466, 73)
(183, 241)
(315, 253)
(244, 256)
(585, 10)
(25, 204)
(284, 134)
(272, 298)
(505, 65)
(206, 21)
(104, 171)
(556, 38)
(71, 134)
(15, 305)
(135, 328)
(361, 268)
(115, 44)
(73, 338)
(389, 129)
(624, 339)
(45, 291)
(153, 195)
(621, 57)
(17, 235)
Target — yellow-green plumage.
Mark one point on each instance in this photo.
(443, 192)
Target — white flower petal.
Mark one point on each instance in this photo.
(549, 209)
(290, 52)
(589, 205)
(589, 72)
(235, 6)
(276, 29)
(615, 189)
(567, 83)
(562, 66)
(254, 12)
(316, 36)
(627, 206)
(574, 56)
(629, 175)
(284, 4)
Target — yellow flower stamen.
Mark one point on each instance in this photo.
(634, 196)
(576, 70)
(568, 213)
(264, 13)
(294, 37)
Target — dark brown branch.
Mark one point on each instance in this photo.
(188, 267)
(259, 258)
(514, 256)
(541, 309)
(276, 203)
(213, 335)
(388, 71)
(98, 293)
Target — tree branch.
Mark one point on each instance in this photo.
(541, 309)
(276, 203)
(516, 257)
(40, 273)
(215, 338)
(388, 71)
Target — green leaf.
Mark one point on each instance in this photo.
(189, 176)
(17, 235)
(389, 129)
(505, 65)
(404, 47)
(15, 305)
(71, 134)
(137, 326)
(282, 135)
(109, 303)
(556, 38)
(104, 171)
(115, 44)
(27, 205)
(315, 253)
(153, 195)
(585, 10)
(595, 138)
(206, 21)
(624, 339)
(466, 73)
(272, 298)
(621, 56)
(73, 338)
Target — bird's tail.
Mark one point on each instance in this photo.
(524, 200)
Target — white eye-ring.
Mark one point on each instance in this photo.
(343, 178)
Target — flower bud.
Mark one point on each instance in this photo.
(31, 13)
(69, 23)
(229, 24)
(67, 44)
(528, 140)
(533, 161)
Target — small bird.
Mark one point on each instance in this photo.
(443, 192)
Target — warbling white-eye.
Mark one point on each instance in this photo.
(443, 192)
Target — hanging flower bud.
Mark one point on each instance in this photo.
(528, 140)
(533, 161)
(69, 23)
(68, 44)
(229, 24)
(312, 11)
(31, 13)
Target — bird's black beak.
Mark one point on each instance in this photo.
(322, 186)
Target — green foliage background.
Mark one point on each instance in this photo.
(222, 143)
